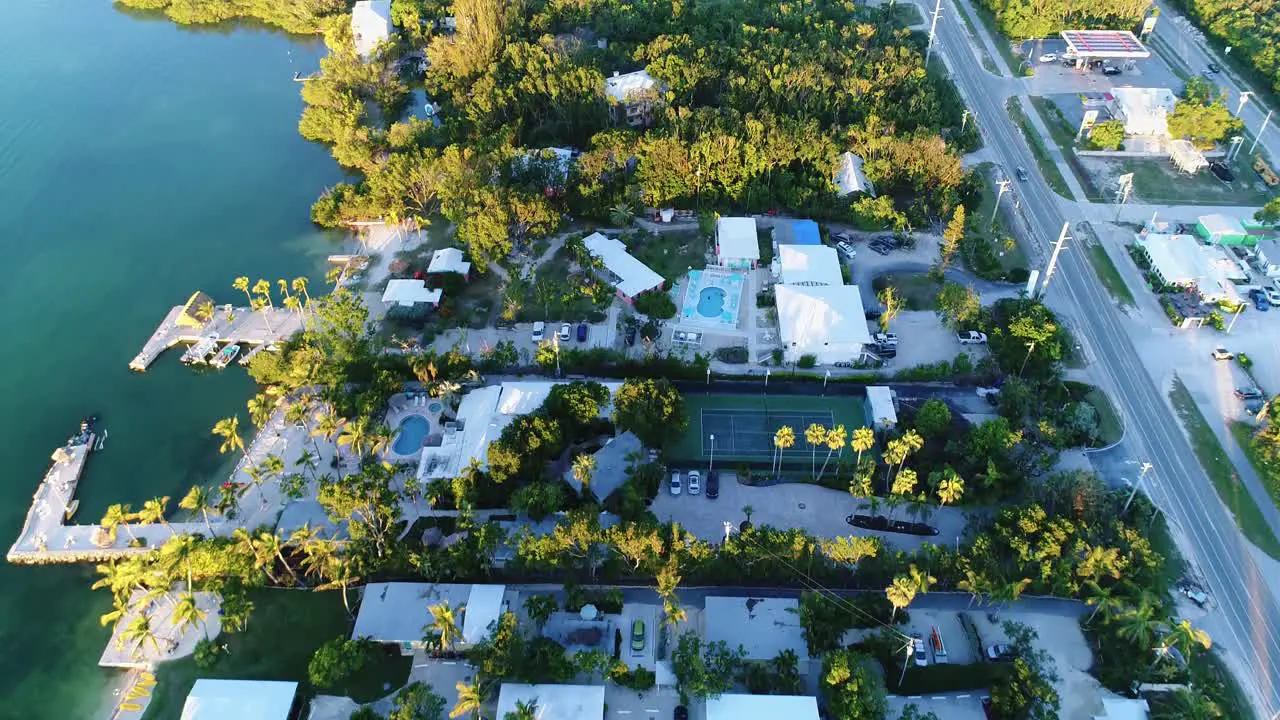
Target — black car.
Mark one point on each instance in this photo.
(681, 713)
(631, 335)
(873, 314)
(713, 485)
(582, 332)
(1213, 68)
(1247, 393)
(1021, 173)
(1221, 171)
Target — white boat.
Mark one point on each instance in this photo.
(270, 347)
(225, 356)
(72, 507)
(199, 352)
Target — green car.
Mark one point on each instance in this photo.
(637, 635)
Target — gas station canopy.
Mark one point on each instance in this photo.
(1104, 44)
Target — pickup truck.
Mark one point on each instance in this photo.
(971, 337)
(882, 338)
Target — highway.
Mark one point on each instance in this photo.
(1247, 611)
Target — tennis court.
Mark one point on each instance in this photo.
(744, 425)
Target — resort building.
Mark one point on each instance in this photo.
(763, 627)
(737, 245)
(762, 707)
(796, 232)
(1219, 229)
(240, 699)
(827, 322)
(481, 417)
(807, 265)
(1144, 111)
(554, 702)
(849, 178)
(633, 96)
(1182, 261)
(630, 276)
(613, 461)
(397, 613)
(370, 25)
(449, 260)
(881, 412)
(407, 293)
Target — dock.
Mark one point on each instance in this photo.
(229, 324)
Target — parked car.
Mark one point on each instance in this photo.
(1221, 171)
(637, 636)
(539, 329)
(846, 250)
(681, 713)
(1272, 295)
(1110, 70)
(1260, 302)
(1021, 172)
(1213, 68)
(919, 651)
(582, 332)
(566, 331)
(1254, 406)
(713, 485)
(873, 314)
(695, 482)
(1000, 652)
(883, 338)
(971, 337)
(1194, 595)
(1221, 353)
(880, 247)
(675, 483)
(1048, 57)
(1247, 393)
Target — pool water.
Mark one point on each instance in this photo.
(434, 407)
(413, 430)
(711, 302)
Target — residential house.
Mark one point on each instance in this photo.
(634, 96)
(628, 275)
(737, 245)
(827, 322)
(370, 25)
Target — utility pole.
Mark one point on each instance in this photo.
(910, 650)
(1004, 186)
(1239, 309)
(1053, 259)
(711, 465)
(1146, 467)
(933, 27)
(1122, 192)
(964, 120)
(1262, 129)
(1244, 98)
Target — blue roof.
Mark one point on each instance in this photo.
(797, 232)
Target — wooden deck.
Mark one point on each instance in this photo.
(232, 325)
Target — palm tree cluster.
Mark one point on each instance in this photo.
(259, 294)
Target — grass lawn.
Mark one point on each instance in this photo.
(1218, 467)
(1004, 246)
(284, 631)
(780, 409)
(1109, 275)
(987, 62)
(1157, 181)
(670, 254)
(1048, 167)
(1064, 135)
(1108, 419)
(918, 291)
(1243, 433)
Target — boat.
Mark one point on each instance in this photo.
(199, 352)
(72, 507)
(225, 356)
(85, 435)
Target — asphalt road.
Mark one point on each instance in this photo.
(1212, 544)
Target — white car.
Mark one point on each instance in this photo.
(971, 337)
(846, 249)
(1049, 57)
(565, 331)
(695, 482)
(675, 483)
(1273, 295)
(919, 653)
(539, 329)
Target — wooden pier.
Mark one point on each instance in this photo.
(232, 325)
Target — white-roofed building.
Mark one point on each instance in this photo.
(633, 96)
(1123, 709)
(881, 413)
(555, 702)
(762, 707)
(808, 265)
(240, 700)
(449, 260)
(399, 613)
(630, 276)
(849, 177)
(370, 25)
(737, 245)
(1183, 261)
(1268, 255)
(1144, 111)
(827, 322)
(763, 627)
(409, 293)
(482, 415)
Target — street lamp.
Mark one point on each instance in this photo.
(825, 378)
(1146, 467)
(712, 464)
(1244, 98)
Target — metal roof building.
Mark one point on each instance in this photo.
(1104, 44)
(762, 707)
(554, 702)
(239, 699)
(629, 275)
(370, 25)
(809, 265)
(825, 321)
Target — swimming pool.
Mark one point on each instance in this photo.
(434, 407)
(413, 430)
(711, 297)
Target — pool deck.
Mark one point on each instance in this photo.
(232, 324)
(730, 281)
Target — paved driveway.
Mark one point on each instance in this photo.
(819, 511)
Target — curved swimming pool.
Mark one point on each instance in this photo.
(711, 302)
(413, 430)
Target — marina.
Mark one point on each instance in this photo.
(210, 329)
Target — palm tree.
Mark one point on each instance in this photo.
(815, 435)
(272, 466)
(470, 698)
(138, 631)
(293, 303)
(667, 580)
(186, 613)
(356, 435)
(974, 583)
(951, 488)
(262, 288)
(327, 425)
(901, 592)
(1186, 705)
(524, 711)
(308, 461)
(1103, 599)
(621, 215)
(260, 408)
(1098, 561)
(153, 512)
(379, 439)
(118, 515)
(783, 439)
(1185, 639)
(340, 572)
(836, 439)
(299, 413)
(316, 550)
(863, 440)
(249, 543)
(199, 499)
(921, 579)
(892, 303)
(1009, 591)
(229, 430)
(1140, 623)
(748, 511)
(242, 284)
(269, 543)
(299, 285)
(584, 468)
(444, 625)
